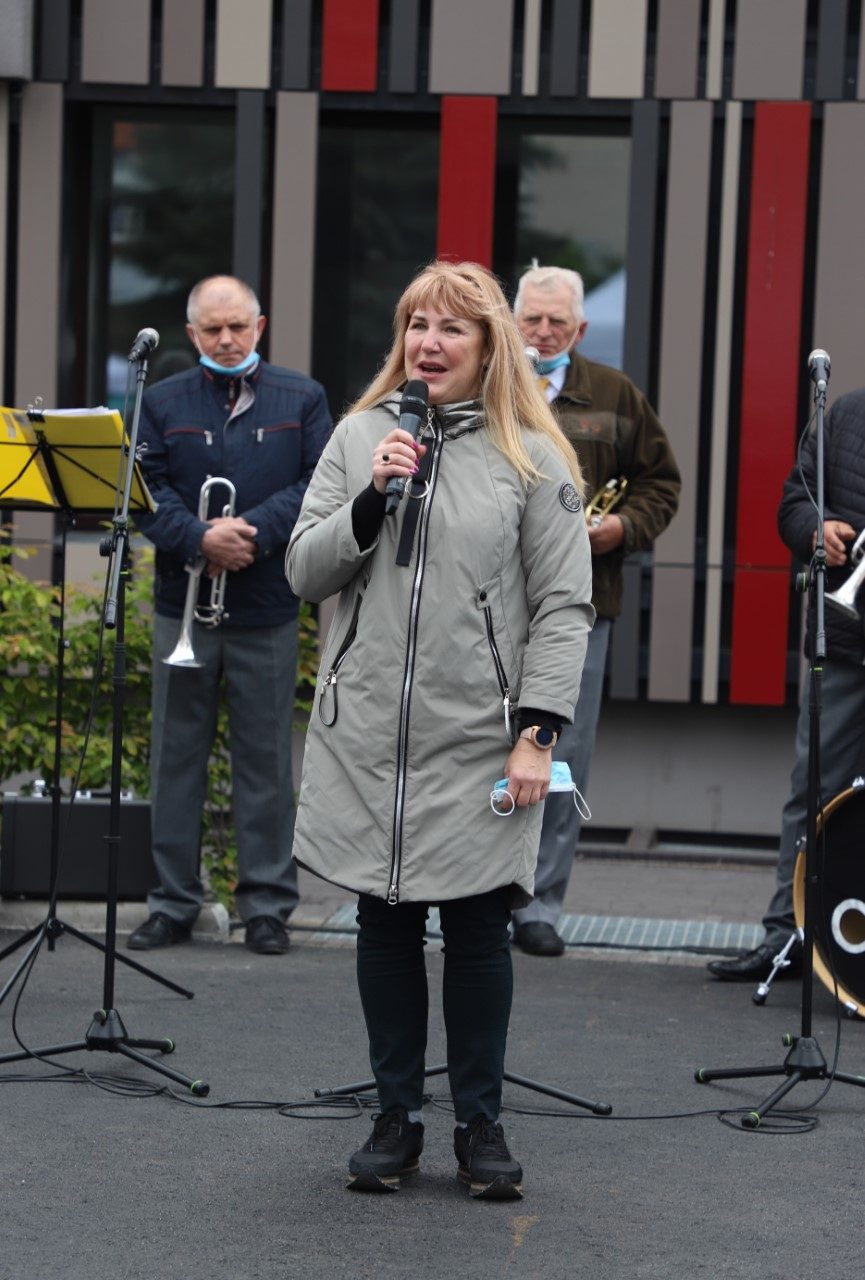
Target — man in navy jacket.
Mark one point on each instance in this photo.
(262, 428)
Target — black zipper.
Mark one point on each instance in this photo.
(408, 674)
(342, 651)
(501, 674)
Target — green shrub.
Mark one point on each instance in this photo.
(29, 622)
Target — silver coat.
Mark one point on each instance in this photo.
(422, 664)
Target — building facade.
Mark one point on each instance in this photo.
(702, 162)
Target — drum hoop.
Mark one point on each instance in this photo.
(821, 968)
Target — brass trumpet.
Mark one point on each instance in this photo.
(211, 614)
(608, 496)
(845, 597)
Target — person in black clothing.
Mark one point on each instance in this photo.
(842, 720)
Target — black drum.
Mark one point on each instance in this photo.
(839, 930)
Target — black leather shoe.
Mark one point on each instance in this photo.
(159, 930)
(537, 938)
(756, 965)
(484, 1161)
(392, 1149)
(267, 936)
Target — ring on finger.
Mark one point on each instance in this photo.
(385, 457)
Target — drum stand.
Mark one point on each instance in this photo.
(805, 1061)
(779, 961)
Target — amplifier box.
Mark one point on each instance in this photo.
(25, 848)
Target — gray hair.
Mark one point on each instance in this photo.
(548, 278)
(196, 291)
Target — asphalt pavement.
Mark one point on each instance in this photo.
(104, 1177)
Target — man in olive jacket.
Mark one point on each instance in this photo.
(617, 436)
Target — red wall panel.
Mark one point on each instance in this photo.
(770, 384)
(467, 166)
(349, 58)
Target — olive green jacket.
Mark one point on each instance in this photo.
(616, 432)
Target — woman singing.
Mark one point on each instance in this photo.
(452, 661)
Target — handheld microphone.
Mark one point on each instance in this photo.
(412, 416)
(533, 356)
(147, 341)
(819, 365)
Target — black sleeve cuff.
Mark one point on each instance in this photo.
(367, 515)
(527, 716)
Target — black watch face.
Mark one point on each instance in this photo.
(544, 737)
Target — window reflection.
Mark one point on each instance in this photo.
(571, 211)
(375, 228)
(169, 208)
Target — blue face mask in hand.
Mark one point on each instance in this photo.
(502, 802)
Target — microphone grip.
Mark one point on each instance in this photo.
(394, 494)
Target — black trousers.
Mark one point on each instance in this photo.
(478, 988)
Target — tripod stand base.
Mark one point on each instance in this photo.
(53, 928)
(363, 1086)
(108, 1034)
(805, 1061)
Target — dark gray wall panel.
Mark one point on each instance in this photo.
(642, 200)
(296, 43)
(770, 49)
(38, 244)
(831, 41)
(16, 39)
(4, 226)
(249, 187)
(403, 49)
(54, 40)
(183, 42)
(565, 48)
(294, 191)
(677, 49)
(623, 664)
(115, 42)
(470, 46)
(680, 390)
(840, 279)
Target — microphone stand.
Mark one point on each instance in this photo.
(107, 1032)
(805, 1060)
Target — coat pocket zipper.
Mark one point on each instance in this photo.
(501, 674)
(331, 677)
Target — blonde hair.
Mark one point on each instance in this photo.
(510, 394)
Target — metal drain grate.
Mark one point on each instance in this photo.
(610, 931)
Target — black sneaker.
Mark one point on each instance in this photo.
(485, 1162)
(392, 1150)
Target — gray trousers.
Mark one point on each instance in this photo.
(842, 732)
(562, 821)
(257, 666)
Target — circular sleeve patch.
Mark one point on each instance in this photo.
(569, 498)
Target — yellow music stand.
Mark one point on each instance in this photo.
(66, 459)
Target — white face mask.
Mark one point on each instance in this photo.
(503, 804)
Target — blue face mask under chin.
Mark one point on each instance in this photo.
(545, 367)
(246, 366)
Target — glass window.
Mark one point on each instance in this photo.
(164, 204)
(570, 199)
(375, 228)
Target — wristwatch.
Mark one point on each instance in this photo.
(543, 738)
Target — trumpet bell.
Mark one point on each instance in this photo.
(182, 655)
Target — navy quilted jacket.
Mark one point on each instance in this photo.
(268, 448)
(844, 499)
